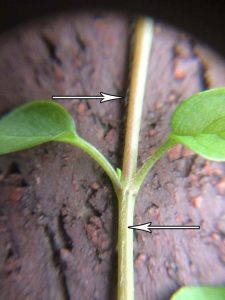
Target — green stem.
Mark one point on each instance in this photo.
(100, 159)
(149, 163)
(142, 45)
(126, 200)
(125, 247)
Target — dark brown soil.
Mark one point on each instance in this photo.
(58, 212)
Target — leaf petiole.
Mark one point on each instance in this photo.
(99, 158)
(149, 163)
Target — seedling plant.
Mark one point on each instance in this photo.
(198, 123)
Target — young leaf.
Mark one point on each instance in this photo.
(39, 122)
(200, 293)
(35, 123)
(199, 124)
(119, 172)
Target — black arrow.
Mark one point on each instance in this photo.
(148, 226)
(104, 97)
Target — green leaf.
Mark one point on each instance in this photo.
(200, 293)
(44, 121)
(199, 124)
(33, 124)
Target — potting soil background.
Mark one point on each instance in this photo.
(58, 211)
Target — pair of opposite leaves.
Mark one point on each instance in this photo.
(198, 123)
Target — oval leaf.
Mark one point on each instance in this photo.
(33, 124)
(199, 124)
(199, 293)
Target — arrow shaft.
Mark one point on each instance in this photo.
(174, 227)
(77, 97)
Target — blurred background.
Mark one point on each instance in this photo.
(58, 212)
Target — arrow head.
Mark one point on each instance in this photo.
(143, 227)
(108, 97)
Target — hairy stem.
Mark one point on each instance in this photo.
(142, 45)
(125, 247)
